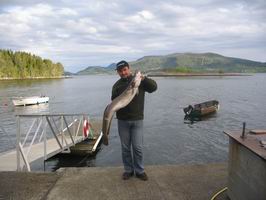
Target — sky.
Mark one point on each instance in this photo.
(97, 33)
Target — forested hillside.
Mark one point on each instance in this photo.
(25, 65)
(192, 62)
(188, 63)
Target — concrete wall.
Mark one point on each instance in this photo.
(246, 173)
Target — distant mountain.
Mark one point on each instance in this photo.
(112, 66)
(66, 73)
(188, 62)
(192, 62)
(92, 70)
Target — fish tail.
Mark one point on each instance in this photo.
(106, 126)
(105, 140)
(105, 131)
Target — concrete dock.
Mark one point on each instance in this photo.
(167, 182)
(247, 165)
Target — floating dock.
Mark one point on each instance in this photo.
(90, 144)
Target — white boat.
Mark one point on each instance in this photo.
(25, 101)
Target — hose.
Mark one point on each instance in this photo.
(221, 191)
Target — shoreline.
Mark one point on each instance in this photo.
(197, 74)
(34, 78)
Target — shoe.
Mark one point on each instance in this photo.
(127, 175)
(142, 176)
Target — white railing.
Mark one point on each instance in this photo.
(46, 136)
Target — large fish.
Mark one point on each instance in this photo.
(119, 102)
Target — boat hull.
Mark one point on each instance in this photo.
(202, 109)
(25, 101)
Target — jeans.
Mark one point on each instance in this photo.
(131, 135)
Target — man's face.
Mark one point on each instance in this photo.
(124, 72)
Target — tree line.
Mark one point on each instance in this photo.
(22, 65)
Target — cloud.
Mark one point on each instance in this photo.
(143, 16)
(98, 33)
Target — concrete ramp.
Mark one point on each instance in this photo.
(171, 182)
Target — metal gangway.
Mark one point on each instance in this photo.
(43, 136)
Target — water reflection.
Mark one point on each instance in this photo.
(191, 120)
(63, 160)
(69, 160)
(32, 109)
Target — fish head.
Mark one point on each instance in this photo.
(137, 79)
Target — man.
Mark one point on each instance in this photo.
(130, 122)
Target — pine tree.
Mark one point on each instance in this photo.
(24, 65)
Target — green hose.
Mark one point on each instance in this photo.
(221, 191)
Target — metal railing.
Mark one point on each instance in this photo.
(57, 133)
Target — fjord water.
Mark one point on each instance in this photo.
(168, 139)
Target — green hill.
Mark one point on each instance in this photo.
(20, 65)
(189, 62)
(92, 70)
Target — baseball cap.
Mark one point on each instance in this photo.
(121, 65)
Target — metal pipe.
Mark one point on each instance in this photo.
(67, 126)
(57, 140)
(54, 115)
(80, 121)
(62, 133)
(17, 144)
(33, 139)
(45, 140)
(73, 127)
(24, 157)
(42, 131)
(26, 138)
(243, 130)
